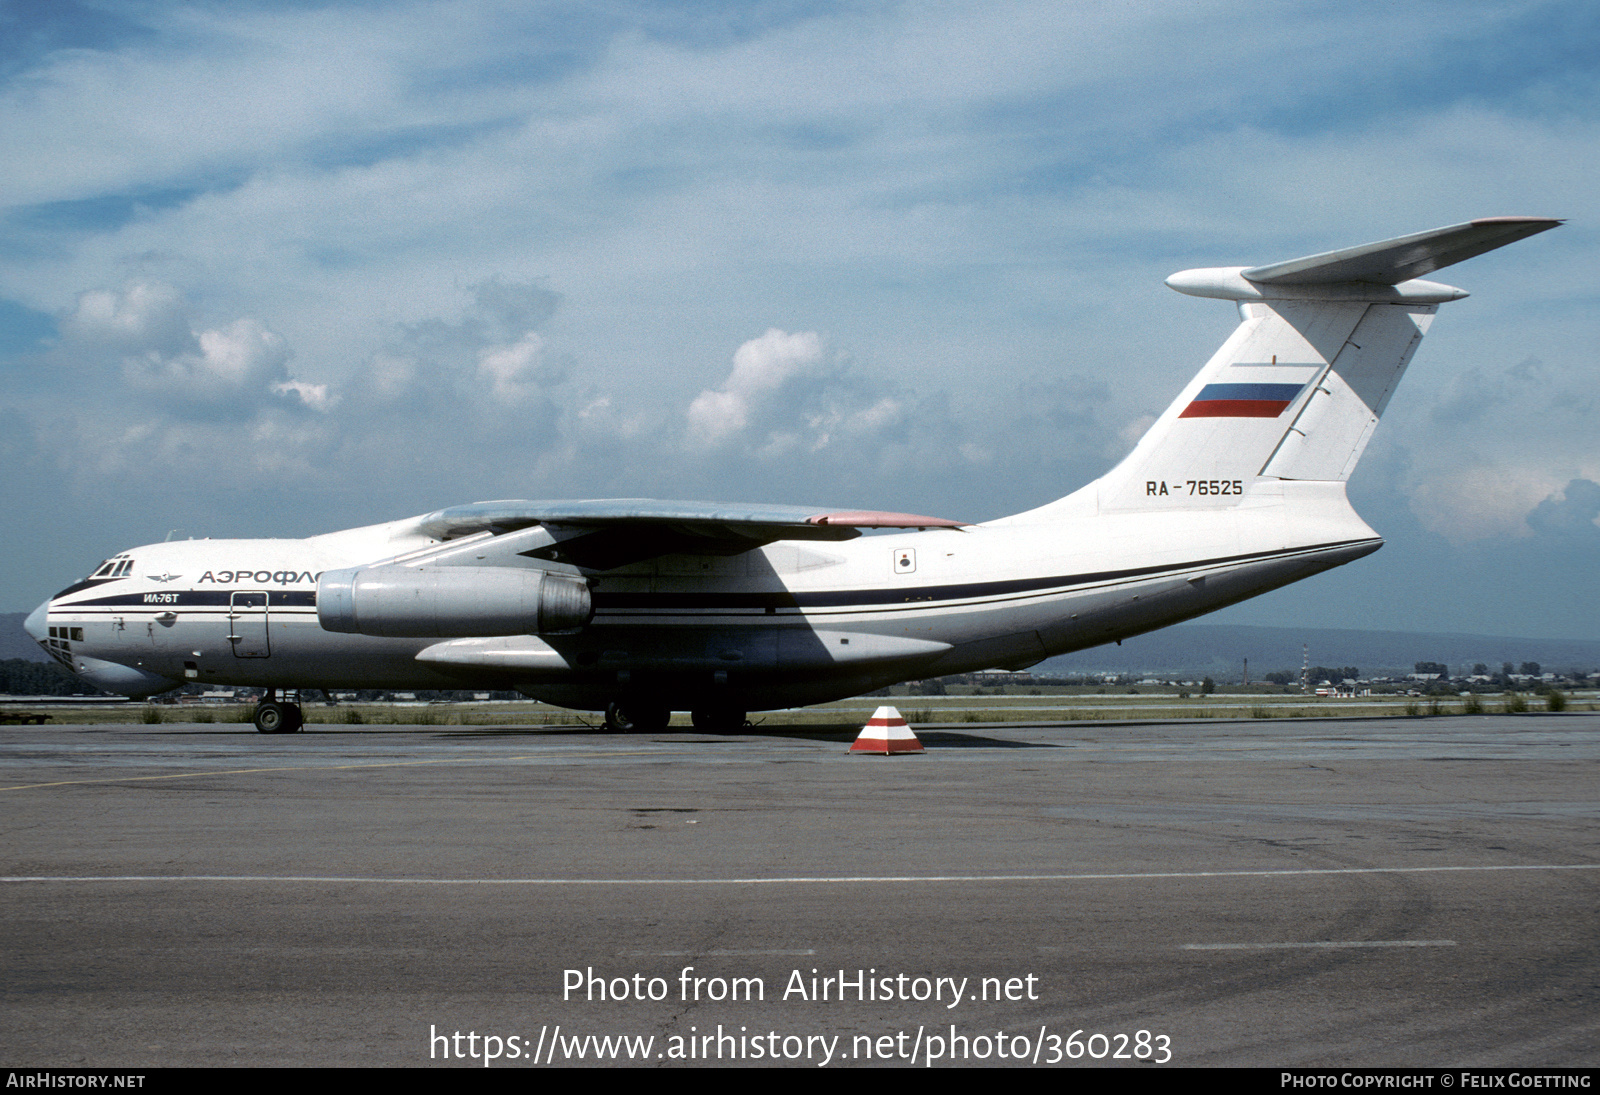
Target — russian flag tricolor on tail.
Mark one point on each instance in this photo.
(1241, 401)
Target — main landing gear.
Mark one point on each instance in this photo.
(275, 716)
(636, 716)
(717, 719)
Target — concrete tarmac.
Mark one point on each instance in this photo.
(1274, 893)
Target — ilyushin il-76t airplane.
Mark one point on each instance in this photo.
(639, 608)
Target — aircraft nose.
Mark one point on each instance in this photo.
(35, 624)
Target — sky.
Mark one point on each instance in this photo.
(279, 268)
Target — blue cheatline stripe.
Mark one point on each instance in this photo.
(193, 598)
(1277, 393)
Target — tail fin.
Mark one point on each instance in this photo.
(1297, 390)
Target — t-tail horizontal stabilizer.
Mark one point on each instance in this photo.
(1297, 390)
(1385, 271)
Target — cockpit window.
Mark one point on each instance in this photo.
(112, 568)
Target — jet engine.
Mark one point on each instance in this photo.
(451, 601)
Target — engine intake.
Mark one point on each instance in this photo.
(451, 602)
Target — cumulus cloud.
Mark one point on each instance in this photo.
(1494, 445)
(787, 395)
(142, 318)
(1573, 512)
(761, 369)
(517, 372)
(164, 398)
(488, 358)
(1477, 503)
(314, 396)
(232, 370)
(232, 365)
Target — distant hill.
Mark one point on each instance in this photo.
(15, 642)
(1192, 651)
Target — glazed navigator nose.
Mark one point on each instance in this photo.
(35, 624)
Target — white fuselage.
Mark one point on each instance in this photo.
(790, 623)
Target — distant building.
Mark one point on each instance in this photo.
(1000, 677)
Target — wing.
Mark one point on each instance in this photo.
(599, 534)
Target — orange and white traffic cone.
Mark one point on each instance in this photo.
(885, 735)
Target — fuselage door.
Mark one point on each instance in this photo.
(247, 625)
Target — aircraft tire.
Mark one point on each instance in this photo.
(272, 718)
(717, 720)
(636, 717)
(294, 719)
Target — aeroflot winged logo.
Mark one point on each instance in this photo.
(1241, 401)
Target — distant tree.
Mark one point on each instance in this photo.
(1479, 669)
(1531, 668)
(1334, 673)
(1283, 676)
(1506, 669)
(1433, 667)
(20, 677)
(1207, 686)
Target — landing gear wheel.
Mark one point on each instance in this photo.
(636, 717)
(717, 720)
(273, 717)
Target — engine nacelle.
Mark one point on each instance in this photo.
(447, 602)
